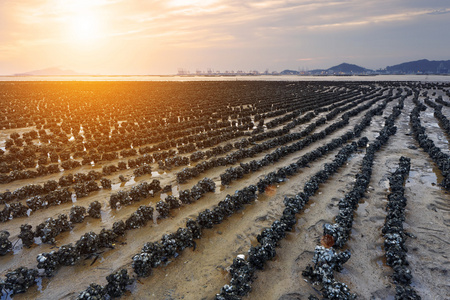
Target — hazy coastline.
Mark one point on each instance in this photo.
(425, 78)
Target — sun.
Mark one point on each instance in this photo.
(84, 27)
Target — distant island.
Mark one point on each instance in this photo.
(342, 69)
(422, 66)
(54, 71)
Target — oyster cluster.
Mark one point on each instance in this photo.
(28, 190)
(326, 261)
(135, 194)
(67, 255)
(83, 189)
(340, 231)
(105, 183)
(77, 214)
(203, 186)
(394, 234)
(146, 127)
(70, 164)
(444, 122)
(140, 217)
(5, 244)
(94, 210)
(142, 160)
(53, 198)
(142, 170)
(116, 287)
(86, 177)
(243, 270)
(441, 159)
(66, 180)
(270, 237)
(26, 235)
(157, 253)
(41, 170)
(88, 244)
(13, 210)
(235, 173)
(175, 161)
(50, 228)
(232, 158)
(109, 169)
(442, 101)
(183, 131)
(18, 281)
(17, 209)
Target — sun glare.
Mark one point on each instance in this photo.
(83, 19)
(85, 27)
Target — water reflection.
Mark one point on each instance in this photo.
(429, 176)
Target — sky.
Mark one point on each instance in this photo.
(137, 37)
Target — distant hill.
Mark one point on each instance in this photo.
(348, 69)
(289, 72)
(343, 68)
(421, 66)
(49, 72)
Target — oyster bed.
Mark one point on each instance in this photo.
(224, 190)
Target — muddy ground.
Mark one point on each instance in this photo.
(200, 273)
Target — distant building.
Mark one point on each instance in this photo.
(182, 71)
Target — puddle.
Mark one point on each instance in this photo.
(17, 247)
(116, 186)
(130, 182)
(219, 187)
(428, 176)
(175, 191)
(362, 208)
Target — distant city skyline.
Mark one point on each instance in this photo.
(153, 37)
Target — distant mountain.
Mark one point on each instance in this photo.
(348, 69)
(421, 66)
(49, 71)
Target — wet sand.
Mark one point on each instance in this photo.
(200, 273)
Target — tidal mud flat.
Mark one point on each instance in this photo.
(224, 190)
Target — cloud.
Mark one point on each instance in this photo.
(440, 11)
(279, 31)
